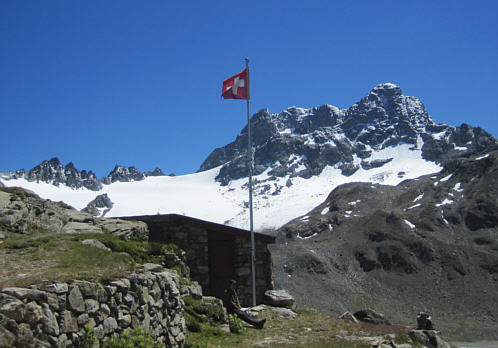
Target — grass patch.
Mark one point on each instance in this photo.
(309, 329)
(43, 256)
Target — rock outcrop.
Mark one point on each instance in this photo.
(52, 171)
(279, 298)
(370, 316)
(22, 211)
(100, 206)
(123, 174)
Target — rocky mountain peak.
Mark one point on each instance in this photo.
(302, 142)
(54, 172)
(155, 172)
(388, 90)
(123, 174)
(386, 103)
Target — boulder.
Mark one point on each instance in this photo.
(7, 338)
(25, 337)
(122, 284)
(194, 290)
(83, 319)
(80, 227)
(27, 294)
(68, 323)
(348, 316)
(12, 308)
(371, 316)
(110, 325)
(91, 306)
(57, 288)
(429, 338)
(8, 324)
(76, 216)
(33, 314)
(152, 267)
(285, 313)
(87, 289)
(49, 321)
(279, 298)
(129, 230)
(95, 243)
(75, 300)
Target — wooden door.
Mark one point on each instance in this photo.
(220, 251)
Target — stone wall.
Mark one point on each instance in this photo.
(243, 269)
(193, 236)
(54, 315)
(193, 240)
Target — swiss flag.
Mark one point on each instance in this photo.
(236, 86)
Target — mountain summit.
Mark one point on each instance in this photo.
(302, 142)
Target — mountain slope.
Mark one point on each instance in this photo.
(431, 242)
(300, 155)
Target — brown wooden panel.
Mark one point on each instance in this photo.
(220, 266)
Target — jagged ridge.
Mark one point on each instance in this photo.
(54, 172)
(301, 142)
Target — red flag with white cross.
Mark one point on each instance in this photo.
(236, 86)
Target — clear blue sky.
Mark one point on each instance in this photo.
(138, 83)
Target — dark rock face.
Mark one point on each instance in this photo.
(301, 142)
(370, 316)
(123, 174)
(101, 201)
(155, 172)
(423, 244)
(54, 172)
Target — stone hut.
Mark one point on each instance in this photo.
(216, 253)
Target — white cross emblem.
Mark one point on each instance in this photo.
(236, 84)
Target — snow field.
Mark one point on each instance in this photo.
(199, 195)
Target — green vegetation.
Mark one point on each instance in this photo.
(205, 311)
(88, 340)
(138, 338)
(43, 256)
(140, 252)
(404, 338)
(234, 323)
(203, 316)
(307, 330)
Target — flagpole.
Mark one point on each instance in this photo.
(251, 165)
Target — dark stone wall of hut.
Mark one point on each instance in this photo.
(243, 268)
(194, 239)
